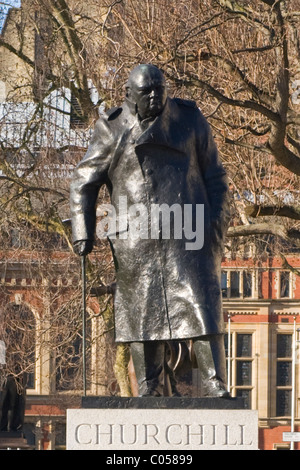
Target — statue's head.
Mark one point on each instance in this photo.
(146, 88)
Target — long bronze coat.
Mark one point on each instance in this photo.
(164, 291)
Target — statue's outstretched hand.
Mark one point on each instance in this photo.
(83, 247)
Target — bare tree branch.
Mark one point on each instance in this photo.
(264, 229)
(285, 211)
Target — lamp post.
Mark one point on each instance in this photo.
(229, 354)
(83, 274)
(293, 382)
(67, 224)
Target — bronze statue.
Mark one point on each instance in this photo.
(155, 152)
(12, 396)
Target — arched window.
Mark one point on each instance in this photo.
(18, 332)
(68, 364)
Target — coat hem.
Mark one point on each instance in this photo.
(124, 341)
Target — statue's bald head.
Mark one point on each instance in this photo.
(145, 72)
(146, 87)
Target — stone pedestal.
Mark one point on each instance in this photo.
(161, 403)
(13, 441)
(159, 424)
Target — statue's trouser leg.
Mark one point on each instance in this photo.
(148, 360)
(3, 410)
(13, 396)
(211, 361)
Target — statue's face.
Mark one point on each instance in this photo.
(147, 88)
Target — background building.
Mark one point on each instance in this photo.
(261, 307)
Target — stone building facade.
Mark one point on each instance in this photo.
(261, 301)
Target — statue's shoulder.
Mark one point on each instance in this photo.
(118, 116)
(106, 119)
(113, 113)
(186, 103)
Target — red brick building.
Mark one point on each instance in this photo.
(261, 311)
(261, 308)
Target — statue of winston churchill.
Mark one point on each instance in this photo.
(154, 150)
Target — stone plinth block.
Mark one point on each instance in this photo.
(119, 427)
(208, 403)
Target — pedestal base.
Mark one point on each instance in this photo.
(164, 423)
(13, 441)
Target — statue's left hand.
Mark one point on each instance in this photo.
(83, 247)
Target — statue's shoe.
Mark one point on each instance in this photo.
(216, 388)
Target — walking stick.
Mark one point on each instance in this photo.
(83, 277)
(67, 223)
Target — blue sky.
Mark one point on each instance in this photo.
(5, 5)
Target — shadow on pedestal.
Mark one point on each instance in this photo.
(208, 403)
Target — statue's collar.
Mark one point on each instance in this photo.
(156, 131)
(144, 123)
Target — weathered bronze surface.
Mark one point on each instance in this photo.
(12, 396)
(157, 150)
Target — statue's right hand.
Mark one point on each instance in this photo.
(83, 247)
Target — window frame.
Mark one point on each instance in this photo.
(34, 377)
(242, 273)
(290, 284)
(285, 387)
(235, 360)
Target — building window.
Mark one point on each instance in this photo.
(247, 284)
(236, 284)
(284, 280)
(244, 345)
(19, 337)
(244, 367)
(69, 355)
(224, 284)
(60, 436)
(241, 365)
(284, 374)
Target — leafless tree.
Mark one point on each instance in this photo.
(239, 60)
